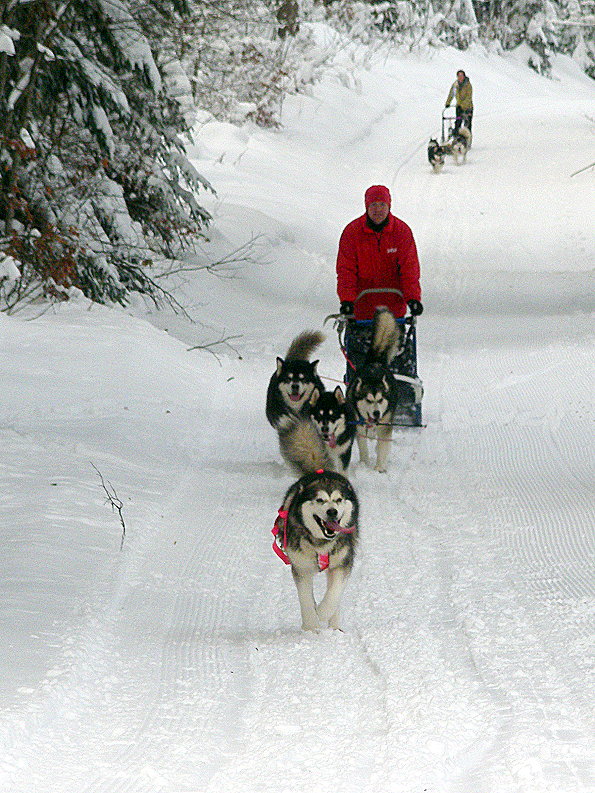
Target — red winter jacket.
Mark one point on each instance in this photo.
(368, 259)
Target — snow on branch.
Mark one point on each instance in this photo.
(134, 46)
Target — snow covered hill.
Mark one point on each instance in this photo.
(176, 664)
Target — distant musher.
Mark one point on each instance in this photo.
(462, 92)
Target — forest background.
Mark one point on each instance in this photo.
(98, 100)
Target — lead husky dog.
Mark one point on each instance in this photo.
(292, 384)
(374, 391)
(335, 420)
(316, 528)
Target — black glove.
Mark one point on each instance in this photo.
(415, 307)
(347, 308)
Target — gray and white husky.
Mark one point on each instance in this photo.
(460, 144)
(317, 525)
(374, 391)
(294, 380)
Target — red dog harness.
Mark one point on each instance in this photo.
(280, 551)
(281, 521)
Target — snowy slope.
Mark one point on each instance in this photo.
(177, 664)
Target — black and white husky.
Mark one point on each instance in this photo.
(375, 393)
(435, 155)
(317, 525)
(335, 420)
(294, 380)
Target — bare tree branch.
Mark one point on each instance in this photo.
(224, 340)
(229, 262)
(113, 500)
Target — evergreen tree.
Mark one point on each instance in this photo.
(95, 181)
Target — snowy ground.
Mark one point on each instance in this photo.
(177, 664)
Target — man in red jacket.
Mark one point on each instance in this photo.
(377, 250)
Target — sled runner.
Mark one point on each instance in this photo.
(354, 341)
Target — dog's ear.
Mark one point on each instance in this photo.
(357, 384)
(339, 395)
(314, 365)
(314, 396)
(280, 363)
(385, 383)
(351, 493)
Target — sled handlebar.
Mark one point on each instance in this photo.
(343, 318)
(379, 291)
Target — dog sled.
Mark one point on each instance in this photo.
(455, 140)
(355, 336)
(448, 125)
(455, 129)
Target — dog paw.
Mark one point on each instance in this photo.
(380, 468)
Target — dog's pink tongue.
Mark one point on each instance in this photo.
(333, 525)
(332, 441)
(294, 397)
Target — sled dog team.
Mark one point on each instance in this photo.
(458, 145)
(316, 527)
(458, 141)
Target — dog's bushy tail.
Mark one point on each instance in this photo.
(302, 347)
(301, 446)
(387, 336)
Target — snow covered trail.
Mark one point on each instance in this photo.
(195, 676)
(177, 665)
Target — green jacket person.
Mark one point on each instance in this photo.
(462, 92)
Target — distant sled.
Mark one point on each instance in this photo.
(455, 143)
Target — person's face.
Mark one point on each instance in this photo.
(460, 76)
(378, 211)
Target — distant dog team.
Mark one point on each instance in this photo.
(457, 145)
